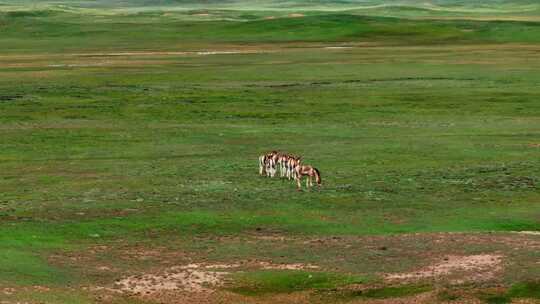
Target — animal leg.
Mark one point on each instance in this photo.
(261, 165)
(288, 172)
(268, 170)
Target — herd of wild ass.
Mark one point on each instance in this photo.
(289, 167)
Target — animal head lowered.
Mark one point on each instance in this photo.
(309, 172)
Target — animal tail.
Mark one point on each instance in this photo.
(318, 176)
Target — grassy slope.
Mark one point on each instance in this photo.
(409, 139)
(53, 31)
(264, 4)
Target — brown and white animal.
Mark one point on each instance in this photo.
(262, 164)
(292, 163)
(267, 164)
(282, 164)
(309, 172)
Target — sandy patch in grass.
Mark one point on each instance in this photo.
(279, 238)
(295, 266)
(8, 291)
(172, 53)
(191, 278)
(478, 267)
(528, 232)
(296, 15)
(184, 279)
(338, 47)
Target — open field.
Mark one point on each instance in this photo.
(129, 138)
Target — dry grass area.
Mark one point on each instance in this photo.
(468, 263)
(59, 62)
(478, 268)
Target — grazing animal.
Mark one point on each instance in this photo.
(262, 165)
(282, 162)
(274, 162)
(309, 172)
(292, 163)
(290, 167)
(271, 163)
(267, 164)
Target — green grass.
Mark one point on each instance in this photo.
(529, 290)
(526, 290)
(61, 31)
(393, 292)
(287, 281)
(497, 300)
(56, 297)
(325, 5)
(378, 293)
(26, 268)
(432, 126)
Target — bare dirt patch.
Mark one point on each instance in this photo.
(8, 290)
(192, 278)
(338, 47)
(295, 266)
(279, 238)
(173, 275)
(296, 15)
(187, 279)
(528, 232)
(480, 267)
(157, 53)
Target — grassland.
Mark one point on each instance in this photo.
(129, 140)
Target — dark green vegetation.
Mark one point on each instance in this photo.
(271, 281)
(525, 290)
(394, 292)
(58, 31)
(418, 126)
(530, 290)
(383, 292)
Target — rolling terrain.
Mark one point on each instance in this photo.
(130, 131)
